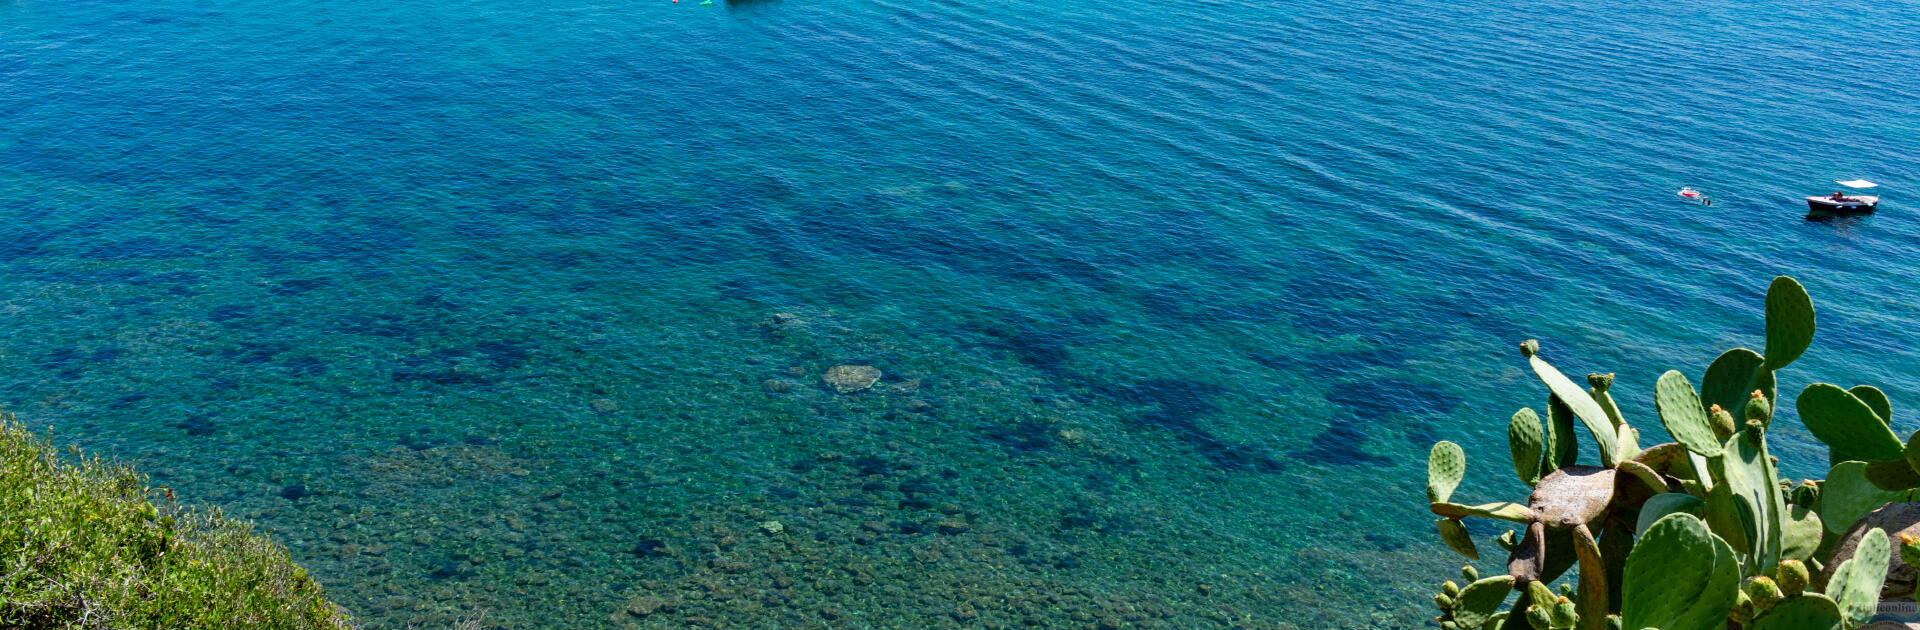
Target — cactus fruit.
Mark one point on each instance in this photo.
(1790, 322)
(1763, 592)
(1758, 408)
(1471, 574)
(1910, 550)
(1446, 464)
(1721, 421)
(1851, 430)
(1599, 382)
(1563, 613)
(1442, 601)
(1507, 540)
(1539, 618)
(1679, 577)
(1525, 442)
(1529, 348)
(1855, 584)
(1450, 589)
(1792, 577)
(1807, 493)
(1742, 612)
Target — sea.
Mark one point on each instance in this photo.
(521, 312)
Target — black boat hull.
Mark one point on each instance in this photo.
(1853, 205)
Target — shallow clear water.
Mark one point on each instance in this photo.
(524, 306)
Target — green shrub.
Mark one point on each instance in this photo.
(1697, 534)
(82, 546)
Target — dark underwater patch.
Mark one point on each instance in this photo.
(198, 425)
(380, 325)
(1179, 405)
(70, 363)
(1341, 444)
(297, 286)
(1043, 349)
(21, 241)
(229, 312)
(304, 366)
(1026, 437)
(1373, 399)
(141, 248)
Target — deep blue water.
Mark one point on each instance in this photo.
(523, 306)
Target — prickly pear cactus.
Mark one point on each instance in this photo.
(1524, 441)
(1446, 464)
(1679, 577)
(1732, 376)
(1790, 322)
(1855, 585)
(1699, 534)
(1806, 612)
(1680, 410)
(1876, 399)
(1850, 428)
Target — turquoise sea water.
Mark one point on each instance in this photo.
(523, 306)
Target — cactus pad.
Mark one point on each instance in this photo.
(1848, 495)
(1446, 464)
(1480, 600)
(1681, 412)
(1749, 473)
(1660, 505)
(1583, 406)
(1876, 399)
(1799, 533)
(1806, 612)
(1562, 446)
(1850, 428)
(1454, 533)
(1855, 585)
(1893, 475)
(1790, 322)
(1525, 442)
(1679, 577)
(1731, 377)
(1503, 511)
(1912, 451)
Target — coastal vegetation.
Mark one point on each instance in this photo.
(1699, 532)
(84, 545)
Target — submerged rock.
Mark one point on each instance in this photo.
(848, 379)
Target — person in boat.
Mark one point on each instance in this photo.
(1837, 196)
